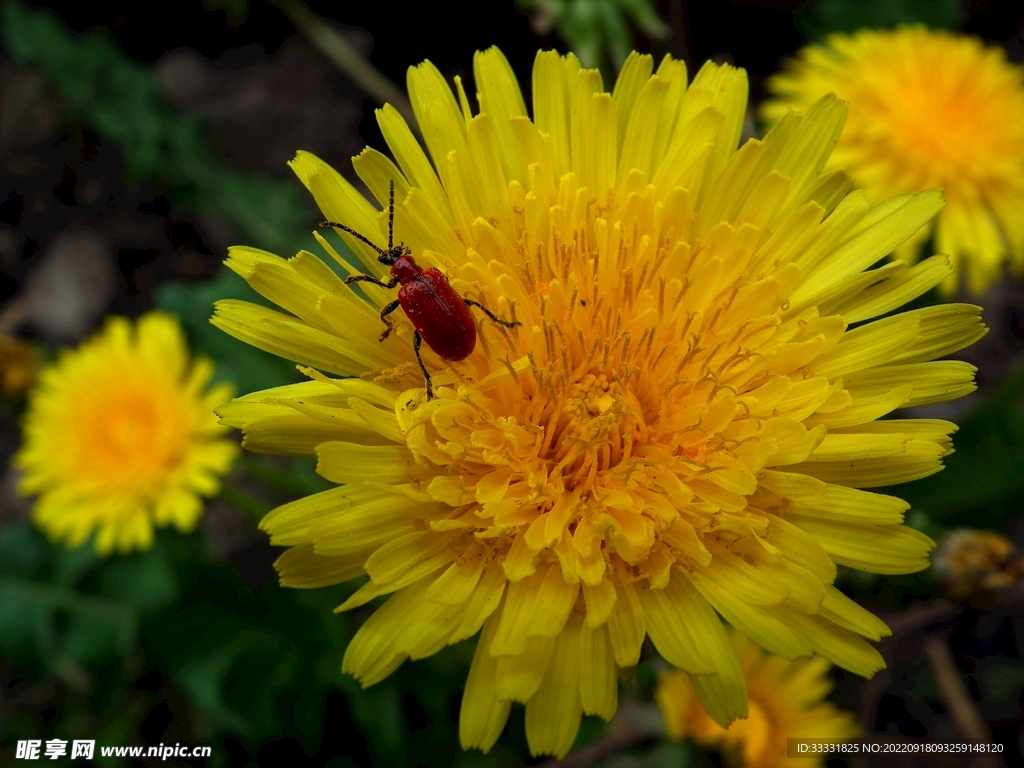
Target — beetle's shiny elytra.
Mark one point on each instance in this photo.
(440, 316)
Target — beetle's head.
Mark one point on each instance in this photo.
(389, 256)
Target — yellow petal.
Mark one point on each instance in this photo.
(553, 713)
(599, 685)
(932, 382)
(411, 158)
(838, 645)
(627, 627)
(635, 73)
(437, 113)
(482, 715)
(551, 107)
(301, 567)
(520, 675)
(756, 622)
(874, 548)
(897, 291)
(371, 655)
(500, 97)
(409, 558)
(681, 624)
(484, 601)
(841, 610)
(342, 462)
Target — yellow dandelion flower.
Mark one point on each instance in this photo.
(927, 109)
(786, 702)
(120, 435)
(680, 426)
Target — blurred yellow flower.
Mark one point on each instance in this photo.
(970, 561)
(927, 109)
(19, 366)
(120, 435)
(786, 702)
(677, 427)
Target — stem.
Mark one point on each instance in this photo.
(955, 696)
(912, 619)
(326, 39)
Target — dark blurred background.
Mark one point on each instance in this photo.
(137, 141)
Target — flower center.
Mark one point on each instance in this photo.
(951, 134)
(127, 442)
(620, 407)
(937, 123)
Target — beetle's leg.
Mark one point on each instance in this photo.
(371, 279)
(417, 340)
(494, 317)
(384, 317)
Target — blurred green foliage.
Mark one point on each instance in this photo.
(119, 99)
(107, 640)
(599, 32)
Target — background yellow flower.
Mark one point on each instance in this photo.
(19, 366)
(972, 562)
(680, 427)
(786, 702)
(120, 436)
(928, 108)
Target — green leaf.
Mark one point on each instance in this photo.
(95, 624)
(203, 680)
(144, 580)
(248, 368)
(26, 626)
(645, 16)
(44, 619)
(599, 32)
(379, 710)
(22, 550)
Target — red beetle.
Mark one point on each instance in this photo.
(440, 316)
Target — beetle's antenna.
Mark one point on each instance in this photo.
(391, 217)
(352, 232)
